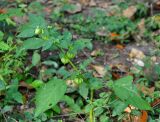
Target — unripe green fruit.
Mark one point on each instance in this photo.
(38, 30)
(64, 60)
(70, 55)
(78, 80)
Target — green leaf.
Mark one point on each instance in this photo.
(72, 104)
(14, 12)
(4, 46)
(51, 63)
(49, 95)
(98, 111)
(83, 90)
(33, 43)
(29, 32)
(66, 40)
(1, 35)
(13, 93)
(37, 83)
(2, 85)
(82, 43)
(37, 20)
(119, 107)
(125, 90)
(36, 58)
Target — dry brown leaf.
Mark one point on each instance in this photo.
(144, 116)
(129, 109)
(25, 85)
(92, 3)
(145, 90)
(84, 2)
(155, 103)
(135, 53)
(131, 118)
(130, 12)
(113, 35)
(99, 69)
(156, 6)
(96, 52)
(3, 11)
(141, 26)
(48, 10)
(120, 46)
(103, 5)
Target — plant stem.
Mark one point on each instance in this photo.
(70, 62)
(91, 111)
(74, 67)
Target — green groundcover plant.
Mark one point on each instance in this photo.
(57, 80)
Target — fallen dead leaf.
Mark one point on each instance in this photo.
(84, 2)
(156, 6)
(120, 46)
(131, 118)
(144, 116)
(141, 26)
(146, 90)
(135, 53)
(130, 12)
(119, 70)
(3, 11)
(96, 52)
(48, 10)
(139, 62)
(113, 35)
(99, 69)
(129, 109)
(92, 3)
(155, 103)
(154, 58)
(25, 85)
(103, 5)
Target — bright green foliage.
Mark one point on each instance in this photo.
(56, 61)
(4, 46)
(72, 104)
(28, 30)
(13, 93)
(83, 90)
(33, 43)
(49, 95)
(36, 58)
(10, 13)
(127, 92)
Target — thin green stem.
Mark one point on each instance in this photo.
(74, 67)
(91, 119)
(70, 62)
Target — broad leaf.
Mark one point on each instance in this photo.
(4, 46)
(33, 43)
(83, 90)
(36, 58)
(124, 89)
(71, 103)
(49, 95)
(118, 107)
(29, 32)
